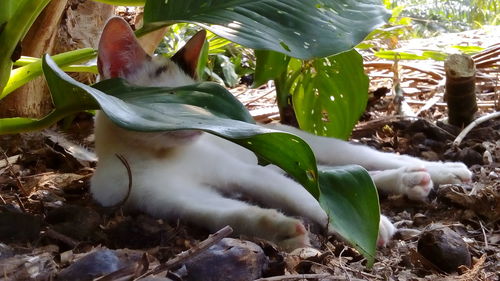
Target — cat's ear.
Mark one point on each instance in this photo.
(187, 57)
(119, 51)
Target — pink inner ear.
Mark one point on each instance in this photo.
(119, 51)
(187, 57)
(193, 47)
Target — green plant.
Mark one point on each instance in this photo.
(325, 29)
(224, 59)
(431, 17)
(16, 17)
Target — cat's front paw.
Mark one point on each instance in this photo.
(448, 172)
(288, 233)
(385, 232)
(292, 235)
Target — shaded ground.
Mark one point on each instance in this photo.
(48, 221)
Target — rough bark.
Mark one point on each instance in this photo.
(29, 100)
(460, 89)
(63, 25)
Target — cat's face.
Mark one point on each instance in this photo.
(120, 55)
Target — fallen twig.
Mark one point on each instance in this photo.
(322, 276)
(203, 245)
(473, 124)
(11, 171)
(61, 237)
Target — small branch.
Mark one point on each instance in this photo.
(61, 237)
(20, 202)
(203, 245)
(11, 171)
(322, 276)
(473, 124)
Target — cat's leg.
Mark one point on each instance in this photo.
(331, 151)
(275, 189)
(204, 206)
(385, 232)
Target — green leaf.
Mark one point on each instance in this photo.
(16, 18)
(202, 61)
(204, 102)
(330, 95)
(350, 199)
(298, 28)
(230, 76)
(217, 44)
(469, 50)
(412, 55)
(22, 75)
(269, 65)
(88, 67)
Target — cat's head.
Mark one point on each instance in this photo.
(120, 55)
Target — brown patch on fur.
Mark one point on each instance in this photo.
(164, 152)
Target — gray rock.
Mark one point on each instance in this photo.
(230, 259)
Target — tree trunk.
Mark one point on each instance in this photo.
(28, 100)
(63, 26)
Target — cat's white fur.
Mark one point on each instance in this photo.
(189, 175)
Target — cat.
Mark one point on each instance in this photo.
(187, 174)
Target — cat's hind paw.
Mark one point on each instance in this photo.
(385, 232)
(413, 181)
(416, 183)
(448, 172)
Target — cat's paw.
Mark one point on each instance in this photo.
(288, 233)
(448, 172)
(385, 232)
(415, 182)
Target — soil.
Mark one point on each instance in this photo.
(48, 221)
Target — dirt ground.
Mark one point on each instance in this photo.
(51, 230)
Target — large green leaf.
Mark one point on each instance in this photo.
(203, 102)
(16, 17)
(350, 199)
(330, 94)
(299, 28)
(22, 75)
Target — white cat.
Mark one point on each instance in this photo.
(186, 174)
